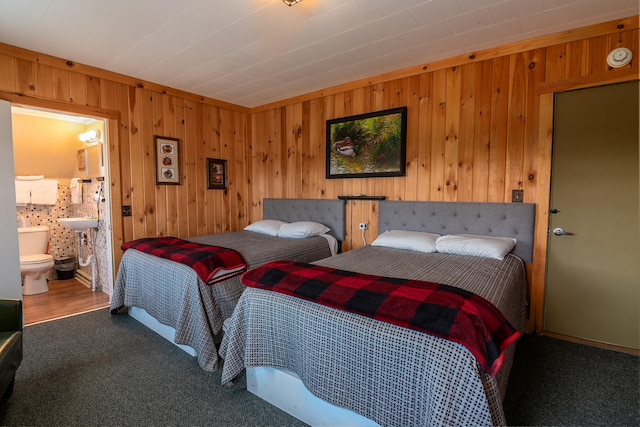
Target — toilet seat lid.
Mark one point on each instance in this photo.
(35, 259)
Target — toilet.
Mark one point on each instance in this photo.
(34, 261)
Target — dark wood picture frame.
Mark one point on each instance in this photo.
(367, 145)
(167, 160)
(216, 174)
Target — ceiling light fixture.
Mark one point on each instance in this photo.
(291, 2)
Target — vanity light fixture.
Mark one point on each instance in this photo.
(89, 136)
(291, 2)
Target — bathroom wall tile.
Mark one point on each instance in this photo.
(64, 242)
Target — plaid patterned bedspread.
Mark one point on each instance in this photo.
(212, 264)
(440, 310)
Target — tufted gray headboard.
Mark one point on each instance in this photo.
(492, 219)
(328, 212)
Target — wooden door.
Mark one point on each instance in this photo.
(593, 270)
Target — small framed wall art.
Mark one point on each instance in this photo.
(82, 160)
(216, 174)
(167, 160)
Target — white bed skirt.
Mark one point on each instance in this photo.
(284, 390)
(167, 332)
(281, 388)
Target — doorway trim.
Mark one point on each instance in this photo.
(63, 107)
(112, 151)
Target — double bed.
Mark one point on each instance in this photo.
(328, 366)
(171, 299)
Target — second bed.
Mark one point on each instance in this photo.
(171, 299)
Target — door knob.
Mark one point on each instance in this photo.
(560, 232)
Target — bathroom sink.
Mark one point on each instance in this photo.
(79, 224)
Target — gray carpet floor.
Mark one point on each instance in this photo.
(100, 369)
(559, 383)
(97, 369)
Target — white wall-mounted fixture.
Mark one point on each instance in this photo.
(92, 135)
(291, 2)
(619, 57)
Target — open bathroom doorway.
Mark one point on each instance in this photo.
(70, 149)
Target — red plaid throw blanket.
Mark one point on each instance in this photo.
(440, 310)
(212, 264)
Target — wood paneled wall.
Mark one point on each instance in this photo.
(136, 112)
(480, 126)
(472, 135)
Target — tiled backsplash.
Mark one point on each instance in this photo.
(63, 242)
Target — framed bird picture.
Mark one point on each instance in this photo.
(167, 160)
(367, 145)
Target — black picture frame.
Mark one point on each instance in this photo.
(216, 174)
(367, 145)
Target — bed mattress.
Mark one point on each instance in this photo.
(391, 375)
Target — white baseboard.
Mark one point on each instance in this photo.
(161, 329)
(284, 390)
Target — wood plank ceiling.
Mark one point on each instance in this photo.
(252, 53)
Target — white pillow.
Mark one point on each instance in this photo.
(475, 245)
(409, 240)
(266, 226)
(302, 229)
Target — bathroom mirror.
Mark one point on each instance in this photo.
(94, 161)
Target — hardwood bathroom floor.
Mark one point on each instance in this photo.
(65, 298)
